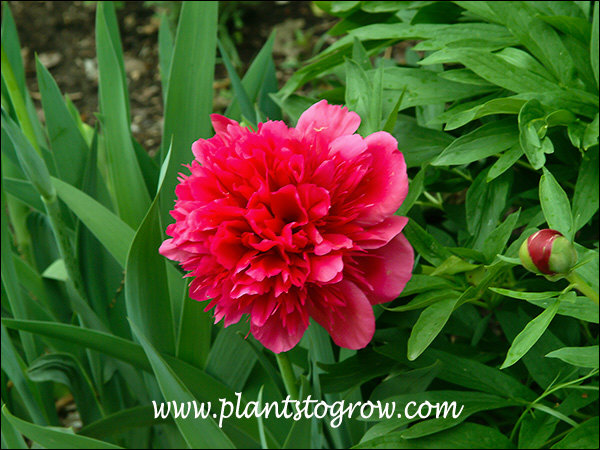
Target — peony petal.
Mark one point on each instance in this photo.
(330, 121)
(348, 147)
(220, 124)
(379, 235)
(325, 268)
(172, 251)
(388, 269)
(275, 336)
(386, 185)
(351, 325)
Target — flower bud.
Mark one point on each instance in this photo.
(548, 252)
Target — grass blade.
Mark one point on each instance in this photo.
(202, 434)
(125, 177)
(190, 93)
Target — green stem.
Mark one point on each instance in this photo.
(287, 373)
(583, 287)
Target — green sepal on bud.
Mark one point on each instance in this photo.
(548, 252)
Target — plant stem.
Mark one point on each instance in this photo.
(583, 287)
(287, 373)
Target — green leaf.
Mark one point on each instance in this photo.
(354, 371)
(12, 47)
(496, 241)
(18, 101)
(230, 359)
(423, 283)
(68, 146)
(471, 402)
(524, 60)
(25, 192)
(126, 183)
(578, 27)
(255, 80)
(473, 374)
(31, 162)
(10, 282)
(485, 204)
(425, 244)
(453, 265)
(585, 198)
(538, 37)
(359, 94)
(195, 327)
(14, 367)
(197, 434)
(414, 192)
(425, 299)
(204, 387)
(11, 438)
(531, 121)
(585, 435)
(65, 369)
(594, 45)
(467, 435)
(577, 356)
(505, 162)
(487, 140)
(109, 12)
(189, 100)
(425, 87)
(146, 284)
(53, 437)
(590, 134)
(246, 106)
(571, 305)
(529, 336)
(555, 205)
(122, 421)
(300, 434)
(165, 53)
(526, 295)
(418, 144)
(457, 117)
(498, 71)
(536, 430)
(114, 234)
(429, 325)
(56, 271)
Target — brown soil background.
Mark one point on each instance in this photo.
(62, 35)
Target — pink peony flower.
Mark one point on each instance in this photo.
(284, 224)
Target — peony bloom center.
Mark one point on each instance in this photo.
(284, 224)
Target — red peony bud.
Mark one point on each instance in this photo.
(548, 252)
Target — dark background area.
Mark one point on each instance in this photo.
(62, 35)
